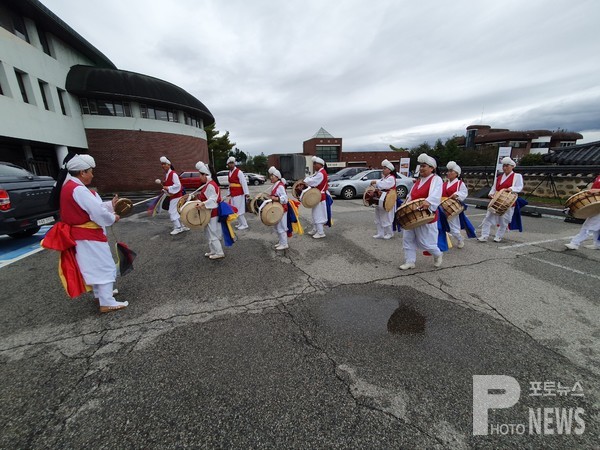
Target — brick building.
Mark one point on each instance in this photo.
(330, 148)
(522, 142)
(59, 95)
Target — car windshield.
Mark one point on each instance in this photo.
(13, 171)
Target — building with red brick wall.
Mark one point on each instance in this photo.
(60, 95)
(330, 149)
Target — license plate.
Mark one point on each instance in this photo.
(45, 221)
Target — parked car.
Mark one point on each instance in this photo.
(223, 177)
(190, 180)
(346, 173)
(24, 205)
(255, 179)
(356, 186)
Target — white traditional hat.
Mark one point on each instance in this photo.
(507, 161)
(165, 160)
(274, 171)
(202, 168)
(453, 166)
(389, 165)
(424, 158)
(231, 159)
(318, 160)
(81, 162)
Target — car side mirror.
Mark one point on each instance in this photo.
(364, 178)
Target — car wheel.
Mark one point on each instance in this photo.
(25, 233)
(348, 193)
(256, 182)
(402, 191)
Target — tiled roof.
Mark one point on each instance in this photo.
(582, 154)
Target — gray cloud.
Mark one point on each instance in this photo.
(390, 72)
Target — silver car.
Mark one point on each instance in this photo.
(356, 186)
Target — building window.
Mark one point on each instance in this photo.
(566, 144)
(191, 120)
(328, 153)
(43, 40)
(43, 86)
(150, 112)
(96, 107)
(61, 100)
(21, 82)
(19, 27)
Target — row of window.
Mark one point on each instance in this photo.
(116, 108)
(328, 153)
(26, 90)
(14, 23)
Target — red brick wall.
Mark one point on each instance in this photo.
(129, 160)
(373, 159)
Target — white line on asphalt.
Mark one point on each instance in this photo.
(25, 255)
(525, 244)
(564, 267)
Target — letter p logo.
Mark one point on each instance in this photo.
(483, 400)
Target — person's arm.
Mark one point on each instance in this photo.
(314, 180)
(93, 206)
(211, 197)
(243, 182)
(386, 183)
(517, 183)
(493, 189)
(462, 192)
(283, 198)
(435, 193)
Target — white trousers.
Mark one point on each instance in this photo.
(173, 214)
(281, 230)
(455, 227)
(424, 237)
(319, 216)
(95, 262)
(214, 233)
(384, 221)
(104, 294)
(239, 202)
(590, 226)
(494, 219)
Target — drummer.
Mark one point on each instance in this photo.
(279, 195)
(210, 196)
(238, 190)
(320, 213)
(456, 189)
(590, 226)
(511, 181)
(172, 186)
(385, 219)
(425, 237)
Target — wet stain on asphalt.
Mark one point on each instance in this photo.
(406, 320)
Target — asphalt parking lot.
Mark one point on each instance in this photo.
(325, 345)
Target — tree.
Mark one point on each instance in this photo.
(239, 155)
(260, 164)
(219, 147)
(532, 159)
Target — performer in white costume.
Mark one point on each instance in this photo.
(238, 190)
(508, 180)
(210, 196)
(87, 215)
(279, 195)
(425, 237)
(590, 226)
(319, 212)
(385, 219)
(458, 190)
(172, 186)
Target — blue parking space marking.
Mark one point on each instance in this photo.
(12, 250)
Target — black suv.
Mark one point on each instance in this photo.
(24, 205)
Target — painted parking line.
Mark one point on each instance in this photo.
(13, 250)
(525, 244)
(560, 266)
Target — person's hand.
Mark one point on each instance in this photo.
(274, 198)
(455, 196)
(509, 189)
(115, 200)
(117, 218)
(425, 205)
(200, 205)
(373, 182)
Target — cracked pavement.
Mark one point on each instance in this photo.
(328, 344)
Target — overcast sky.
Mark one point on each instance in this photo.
(374, 73)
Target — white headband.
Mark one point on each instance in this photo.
(81, 162)
(426, 159)
(165, 160)
(274, 171)
(453, 166)
(318, 160)
(507, 160)
(231, 159)
(202, 168)
(386, 163)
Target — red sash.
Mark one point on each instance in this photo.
(450, 191)
(274, 193)
(203, 198)
(507, 183)
(422, 191)
(72, 214)
(169, 182)
(323, 186)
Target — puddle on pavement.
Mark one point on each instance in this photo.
(406, 320)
